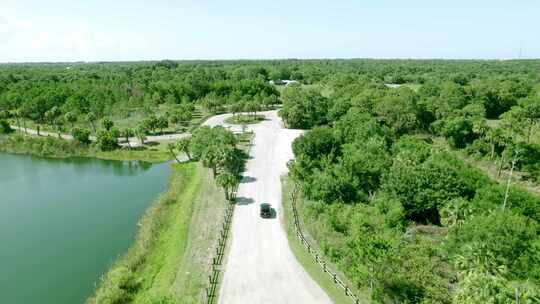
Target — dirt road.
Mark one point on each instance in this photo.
(260, 267)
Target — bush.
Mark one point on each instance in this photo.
(81, 135)
(5, 128)
(492, 243)
(424, 189)
(106, 140)
(458, 130)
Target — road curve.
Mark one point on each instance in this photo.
(260, 267)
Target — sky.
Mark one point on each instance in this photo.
(119, 30)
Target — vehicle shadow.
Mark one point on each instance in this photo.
(248, 179)
(241, 201)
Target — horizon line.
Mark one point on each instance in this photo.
(269, 59)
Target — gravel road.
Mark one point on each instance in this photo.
(260, 267)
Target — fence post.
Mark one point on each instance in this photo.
(313, 251)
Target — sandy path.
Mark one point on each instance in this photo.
(260, 267)
(134, 142)
(45, 133)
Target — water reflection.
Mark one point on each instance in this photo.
(64, 221)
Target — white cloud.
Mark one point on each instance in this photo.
(24, 40)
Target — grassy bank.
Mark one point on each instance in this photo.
(42, 146)
(306, 260)
(61, 148)
(170, 258)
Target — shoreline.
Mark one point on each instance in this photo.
(50, 147)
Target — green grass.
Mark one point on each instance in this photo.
(154, 154)
(413, 86)
(324, 90)
(42, 146)
(147, 155)
(240, 119)
(336, 294)
(61, 148)
(171, 256)
(129, 118)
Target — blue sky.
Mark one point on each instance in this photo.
(36, 30)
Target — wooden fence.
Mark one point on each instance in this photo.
(217, 260)
(316, 256)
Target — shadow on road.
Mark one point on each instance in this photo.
(244, 201)
(248, 179)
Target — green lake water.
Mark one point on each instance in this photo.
(63, 222)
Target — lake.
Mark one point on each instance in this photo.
(63, 222)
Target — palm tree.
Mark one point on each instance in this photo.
(127, 133)
(140, 132)
(17, 114)
(495, 137)
(51, 118)
(71, 118)
(184, 146)
(91, 117)
(210, 158)
(171, 147)
(227, 181)
(58, 125)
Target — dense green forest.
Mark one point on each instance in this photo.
(405, 219)
(386, 196)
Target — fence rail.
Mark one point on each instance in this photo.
(315, 254)
(217, 260)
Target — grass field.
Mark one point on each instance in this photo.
(61, 148)
(128, 119)
(245, 119)
(324, 90)
(155, 154)
(336, 294)
(171, 256)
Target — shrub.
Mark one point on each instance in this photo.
(81, 135)
(5, 128)
(106, 140)
(492, 243)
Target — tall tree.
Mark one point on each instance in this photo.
(184, 145)
(227, 181)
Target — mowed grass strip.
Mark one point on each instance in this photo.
(171, 256)
(246, 119)
(155, 154)
(336, 294)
